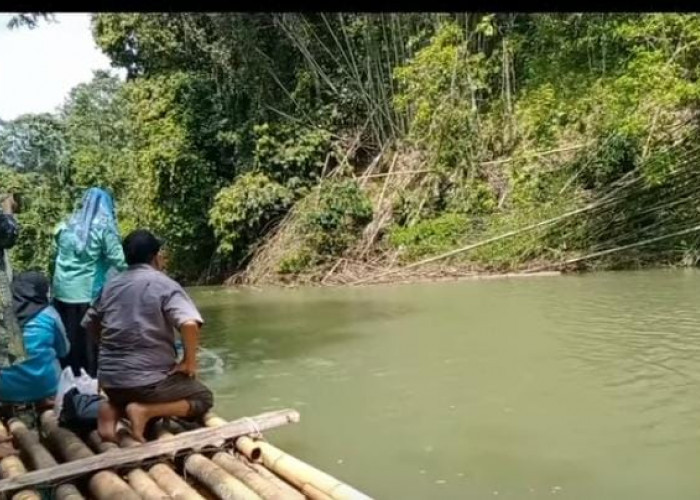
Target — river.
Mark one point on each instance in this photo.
(580, 387)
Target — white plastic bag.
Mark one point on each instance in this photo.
(85, 383)
(65, 383)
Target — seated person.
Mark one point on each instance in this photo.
(135, 319)
(35, 378)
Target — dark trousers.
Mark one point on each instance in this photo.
(83, 349)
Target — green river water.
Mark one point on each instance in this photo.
(583, 387)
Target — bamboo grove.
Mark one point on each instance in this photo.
(332, 147)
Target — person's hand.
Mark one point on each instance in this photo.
(189, 368)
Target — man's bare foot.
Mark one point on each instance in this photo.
(107, 417)
(138, 415)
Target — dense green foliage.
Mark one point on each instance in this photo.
(226, 122)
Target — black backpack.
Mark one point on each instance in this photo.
(79, 411)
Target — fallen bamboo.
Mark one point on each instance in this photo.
(616, 249)
(38, 457)
(222, 459)
(123, 457)
(300, 473)
(105, 484)
(251, 478)
(487, 241)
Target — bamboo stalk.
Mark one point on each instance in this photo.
(170, 482)
(39, 457)
(216, 478)
(300, 474)
(162, 474)
(487, 241)
(220, 482)
(248, 476)
(618, 249)
(144, 485)
(12, 466)
(288, 490)
(213, 420)
(104, 485)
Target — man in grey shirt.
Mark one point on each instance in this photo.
(135, 319)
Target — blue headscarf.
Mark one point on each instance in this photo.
(96, 211)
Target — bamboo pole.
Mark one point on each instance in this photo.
(213, 420)
(170, 482)
(144, 485)
(217, 479)
(220, 482)
(300, 474)
(162, 474)
(104, 485)
(251, 478)
(12, 466)
(39, 457)
(288, 490)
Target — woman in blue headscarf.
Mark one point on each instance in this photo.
(87, 246)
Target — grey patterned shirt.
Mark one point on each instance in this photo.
(139, 310)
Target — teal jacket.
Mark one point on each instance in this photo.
(37, 377)
(78, 278)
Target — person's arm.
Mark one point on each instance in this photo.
(61, 344)
(190, 341)
(92, 321)
(113, 251)
(183, 315)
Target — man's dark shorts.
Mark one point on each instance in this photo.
(173, 388)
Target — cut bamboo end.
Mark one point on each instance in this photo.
(249, 448)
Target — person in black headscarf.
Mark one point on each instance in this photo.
(35, 378)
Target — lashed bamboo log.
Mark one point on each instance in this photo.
(38, 457)
(213, 420)
(251, 478)
(220, 482)
(162, 474)
(214, 477)
(144, 485)
(104, 485)
(300, 474)
(172, 484)
(283, 485)
(12, 466)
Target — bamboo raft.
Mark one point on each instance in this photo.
(220, 460)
